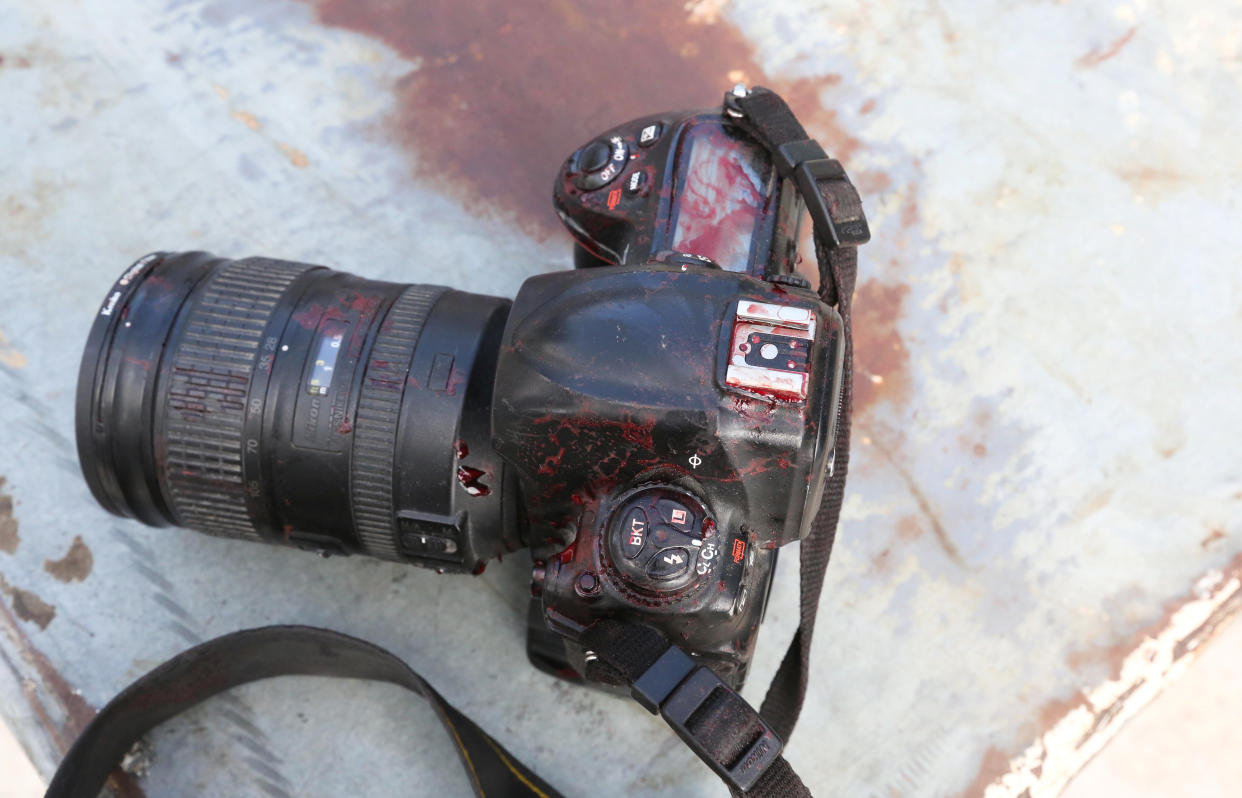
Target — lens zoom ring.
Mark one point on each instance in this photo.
(209, 381)
(379, 409)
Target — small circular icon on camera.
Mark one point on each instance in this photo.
(695, 461)
(587, 584)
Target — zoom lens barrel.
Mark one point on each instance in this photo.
(292, 404)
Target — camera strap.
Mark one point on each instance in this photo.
(840, 226)
(741, 745)
(239, 658)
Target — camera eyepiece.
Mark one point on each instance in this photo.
(289, 403)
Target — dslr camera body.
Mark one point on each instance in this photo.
(654, 425)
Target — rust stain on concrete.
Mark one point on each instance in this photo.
(994, 764)
(28, 606)
(1051, 712)
(295, 156)
(1098, 55)
(248, 119)
(1070, 731)
(70, 714)
(9, 538)
(18, 62)
(872, 182)
(9, 356)
(504, 92)
(1213, 536)
(909, 528)
(910, 209)
(1150, 181)
(920, 498)
(881, 360)
(73, 709)
(75, 566)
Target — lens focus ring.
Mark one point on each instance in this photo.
(379, 408)
(208, 386)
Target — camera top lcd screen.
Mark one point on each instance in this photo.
(725, 191)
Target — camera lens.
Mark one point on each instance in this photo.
(289, 403)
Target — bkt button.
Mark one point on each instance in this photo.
(669, 563)
(633, 533)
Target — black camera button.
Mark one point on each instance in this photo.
(669, 563)
(602, 175)
(678, 515)
(594, 156)
(633, 532)
(636, 183)
(650, 134)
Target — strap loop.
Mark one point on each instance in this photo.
(833, 202)
(709, 717)
(831, 199)
(718, 725)
(839, 227)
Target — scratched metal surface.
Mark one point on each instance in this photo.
(1047, 430)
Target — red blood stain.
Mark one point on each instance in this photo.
(456, 378)
(720, 201)
(308, 318)
(551, 462)
(759, 412)
(461, 448)
(504, 92)
(470, 479)
(881, 360)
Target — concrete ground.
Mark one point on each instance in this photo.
(17, 776)
(1183, 745)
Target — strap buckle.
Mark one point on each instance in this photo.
(712, 719)
(830, 197)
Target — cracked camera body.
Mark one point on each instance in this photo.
(653, 425)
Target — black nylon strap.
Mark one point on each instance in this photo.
(712, 719)
(764, 115)
(242, 657)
